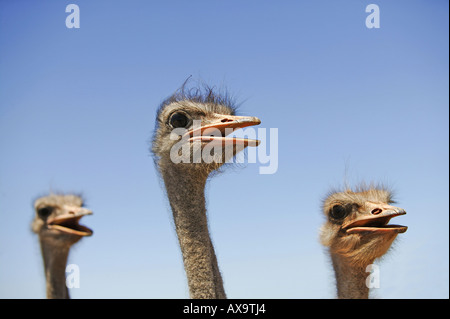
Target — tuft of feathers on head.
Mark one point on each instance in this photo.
(376, 192)
(202, 93)
(59, 198)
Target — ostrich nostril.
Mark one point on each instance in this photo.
(376, 211)
(226, 120)
(72, 213)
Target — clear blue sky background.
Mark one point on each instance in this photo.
(77, 111)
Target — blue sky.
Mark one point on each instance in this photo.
(77, 111)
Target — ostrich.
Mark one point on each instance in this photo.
(357, 232)
(200, 118)
(56, 223)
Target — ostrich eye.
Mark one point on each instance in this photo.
(338, 212)
(179, 119)
(44, 212)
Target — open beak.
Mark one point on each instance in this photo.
(376, 221)
(69, 221)
(225, 125)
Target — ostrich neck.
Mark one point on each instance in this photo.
(186, 193)
(350, 279)
(55, 260)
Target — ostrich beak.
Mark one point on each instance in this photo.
(223, 125)
(375, 220)
(68, 221)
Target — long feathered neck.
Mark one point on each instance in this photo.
(55, 260)
(350, 279)
(186, 193)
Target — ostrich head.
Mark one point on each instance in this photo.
(356, 226)
(191, 130)
(57, 218)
